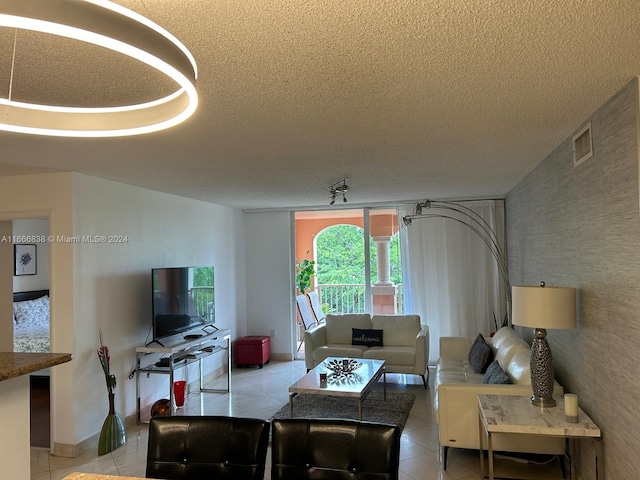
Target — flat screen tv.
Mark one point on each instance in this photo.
(183, 300)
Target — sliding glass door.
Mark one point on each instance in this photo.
(357, 258)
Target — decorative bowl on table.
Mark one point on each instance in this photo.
(345, 365)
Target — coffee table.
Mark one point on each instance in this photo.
(353, 384)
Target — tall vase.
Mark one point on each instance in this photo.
(113, 433)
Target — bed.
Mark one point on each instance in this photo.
(31, 331)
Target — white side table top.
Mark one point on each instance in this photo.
(516, 414)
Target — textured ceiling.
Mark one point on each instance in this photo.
(409, 99)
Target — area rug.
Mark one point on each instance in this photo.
(395, 410)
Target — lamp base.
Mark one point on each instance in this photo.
(541, 365)
(543, 402)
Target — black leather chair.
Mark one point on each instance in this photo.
(334, 449)
(209, 447)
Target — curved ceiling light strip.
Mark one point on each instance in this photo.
(112, 26)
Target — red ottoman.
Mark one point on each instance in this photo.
(253, 350)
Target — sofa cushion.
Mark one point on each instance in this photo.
(340, 351)
(504, 337)
(399, 330)
(339, 327)
(368, 338)
(505, 354)
(495, 374)
(519, 369)
(480, 355)
(392, 355)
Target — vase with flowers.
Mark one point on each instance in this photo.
(113, 433)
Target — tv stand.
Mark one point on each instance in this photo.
(182, 352)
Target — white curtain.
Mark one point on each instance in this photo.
(452, 280)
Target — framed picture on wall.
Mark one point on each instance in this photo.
(24, 259)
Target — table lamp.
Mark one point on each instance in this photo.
(543, 308)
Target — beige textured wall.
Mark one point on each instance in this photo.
(6, 279)
(580, 227)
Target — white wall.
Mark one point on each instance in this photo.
(49, 196)
(270, 279)
(6, 286)
(107, 285)
(112, 281)
(27, 229)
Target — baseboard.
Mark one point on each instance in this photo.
(282, 357)
(73, 450)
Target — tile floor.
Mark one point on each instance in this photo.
(260, 393)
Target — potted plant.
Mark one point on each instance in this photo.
(305, 270)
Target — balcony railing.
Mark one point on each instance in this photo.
(349, 298)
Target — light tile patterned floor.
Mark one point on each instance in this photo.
(260, 393)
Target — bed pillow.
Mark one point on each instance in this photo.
(32, 311)
(369, 338)
(495, 374)
(480, 355)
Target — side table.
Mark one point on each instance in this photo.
(515, 414)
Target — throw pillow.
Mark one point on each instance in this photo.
(480, 355)
(369, 338)
(32, 311)
(495, 374)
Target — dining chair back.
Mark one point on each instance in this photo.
(202, 447)
(334, 448)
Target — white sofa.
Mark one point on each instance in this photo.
(457, 387)
(405, 342)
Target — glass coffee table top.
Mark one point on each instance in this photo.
(358, 377)
(341, 377)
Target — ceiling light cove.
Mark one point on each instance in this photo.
(112, 26)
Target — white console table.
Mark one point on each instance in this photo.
(180, 353)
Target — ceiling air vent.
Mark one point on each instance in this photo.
(582, 145)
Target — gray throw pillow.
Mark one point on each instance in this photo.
(480, 355)
(495, 374)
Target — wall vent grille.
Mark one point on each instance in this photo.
(582, 145)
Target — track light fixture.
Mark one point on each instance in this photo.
(338, 189)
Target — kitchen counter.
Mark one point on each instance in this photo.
(15, 447)
(97, 476)
(16, 364)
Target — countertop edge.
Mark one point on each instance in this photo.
(13, 365)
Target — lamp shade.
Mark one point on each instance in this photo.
(544, 307)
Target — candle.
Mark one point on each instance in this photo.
(571, 407)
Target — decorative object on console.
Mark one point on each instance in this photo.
(161, 408)
(467, 217)
(541, 308)
(337, 189)
(178, 392)
(113, 433)
(115, 28)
